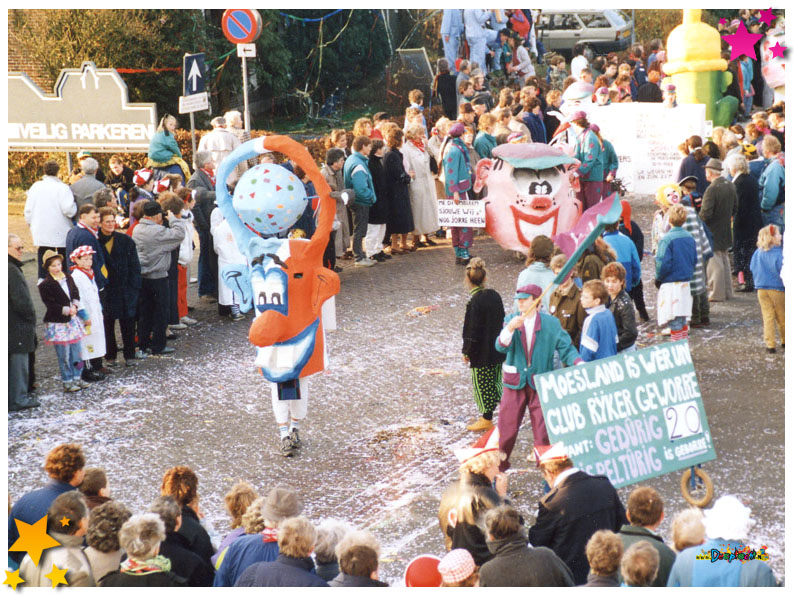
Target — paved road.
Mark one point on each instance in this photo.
(385, 418)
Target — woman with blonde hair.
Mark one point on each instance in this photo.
(338, 139)
(362, 127)
(481, 487)
(485, 142)
(237, 501)
(422, 188)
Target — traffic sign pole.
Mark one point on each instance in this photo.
(245, 94)
(242, 26)
(193, 139)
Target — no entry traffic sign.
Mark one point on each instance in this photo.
(241, 25)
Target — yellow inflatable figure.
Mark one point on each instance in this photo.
(698, 72)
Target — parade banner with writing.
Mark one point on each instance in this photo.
(646, 138)
(467, 213)
(630, 417)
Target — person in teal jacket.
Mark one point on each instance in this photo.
(588, 150)
(610, 162)
(772, 184)
(164, 151)
(457, 183)
(358, 177)
(527, 356)
(485, 142)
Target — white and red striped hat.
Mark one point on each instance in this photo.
(456, 566)
(142, 176)
(81, 251)
(488, 442)
(162, 185)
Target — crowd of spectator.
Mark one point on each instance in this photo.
(582, 535)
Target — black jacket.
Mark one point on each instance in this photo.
(516, 565)
(485, 315)
(121, 182)
(185, 563)
(197, 538)
(284, 571)
(348, 580)
(379, 212)
(124, 276)
(55, 299)
(448, 93)
(472, 496)
(400, 218)
(21, 313)
(205, 199)
(569, 515)
(747, 222)
(156, 579)
(622, 309)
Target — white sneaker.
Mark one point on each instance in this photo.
(194, 280)
(188, 320)
(365, 262)
(177, 327)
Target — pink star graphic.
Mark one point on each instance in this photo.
(723, 21)
(767, 17)
(743, 42)
(777, 50)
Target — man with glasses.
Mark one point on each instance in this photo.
(21, 329)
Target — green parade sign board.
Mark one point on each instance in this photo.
(630, 417)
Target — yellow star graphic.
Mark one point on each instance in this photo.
(57, 576)
(33, 539)
(13, 579)
(64, 521)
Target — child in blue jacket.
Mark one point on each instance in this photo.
(766, 265)
(599, 332)
(676, 257)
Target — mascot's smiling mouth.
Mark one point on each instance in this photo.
(284, 361)
(543, 221)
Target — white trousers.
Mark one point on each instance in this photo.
(373, 241)
(295, 409)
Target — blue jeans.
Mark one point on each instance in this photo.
(678, 323)
(451, 51)
(68, 358)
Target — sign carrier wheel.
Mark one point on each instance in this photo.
(698, 489)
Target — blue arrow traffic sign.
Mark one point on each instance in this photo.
(193, 74)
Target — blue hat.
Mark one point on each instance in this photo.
(528, 291)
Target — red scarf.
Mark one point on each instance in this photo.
(269, 535)
(91, 229)
(89, 272)
(420, 144)
(210, 175)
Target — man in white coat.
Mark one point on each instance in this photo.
(220, 142)
(48, 211)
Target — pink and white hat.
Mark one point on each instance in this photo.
(456, 566)
(81, 251)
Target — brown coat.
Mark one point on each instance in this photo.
(567, 308)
